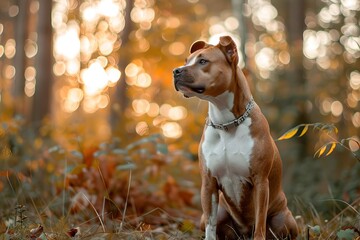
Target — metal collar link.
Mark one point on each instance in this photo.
(236, 122)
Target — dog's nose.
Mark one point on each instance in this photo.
(177, 71)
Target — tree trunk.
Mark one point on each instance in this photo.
(43, 65)
(119, 98)
(237, 6)
(295, 95)
(19, 60)
(296, 76)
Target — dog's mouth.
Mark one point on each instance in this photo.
(187, 88)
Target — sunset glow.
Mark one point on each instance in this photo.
(90, 56)
(67, 43)
(89, 50)
(94, 78)
(74, 52)
(99, 141)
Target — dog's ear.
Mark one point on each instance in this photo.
(228, 47)
(198, 45)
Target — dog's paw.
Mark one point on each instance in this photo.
(210, 233)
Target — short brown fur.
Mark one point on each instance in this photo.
(263, 205)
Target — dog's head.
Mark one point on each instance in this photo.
(208, 70)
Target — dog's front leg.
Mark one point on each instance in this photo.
(209, 202)
(261, 207)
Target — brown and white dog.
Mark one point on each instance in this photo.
(241, 193)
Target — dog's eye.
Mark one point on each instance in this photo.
(203, 61)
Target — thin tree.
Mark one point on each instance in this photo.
(242, 29)
(296, 75)
(19, 59)
(119, 100)
(43, 65)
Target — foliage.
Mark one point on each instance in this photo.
(77, 171)
(329, 147)
(339, 184)
(136, 189)
(118, 189)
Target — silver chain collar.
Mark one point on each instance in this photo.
(236, 122)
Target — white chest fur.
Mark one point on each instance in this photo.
(227, 156)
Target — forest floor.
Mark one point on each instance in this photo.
(139, 190)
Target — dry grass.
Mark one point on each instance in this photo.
(138, 190)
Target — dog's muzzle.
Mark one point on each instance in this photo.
(177, 76)
(183, 78)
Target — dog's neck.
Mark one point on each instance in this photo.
(220, 108)
(232, 103)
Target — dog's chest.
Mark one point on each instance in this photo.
(227, 156)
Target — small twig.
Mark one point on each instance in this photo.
(64, 187)
(126, 201)
(8, 178)
(37, 211)
(16, 211)
(107, 192)
(237, 235)
(340, 143)
(97, 214)
(103, 209)
(349, 205)
(20, 209)
(271, 231)
(87, 221)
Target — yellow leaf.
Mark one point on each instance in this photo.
(289, 134)
(333, 145)
(187, 226)
(78, 169)
(336, 130)
(306, 127)
(322, 150)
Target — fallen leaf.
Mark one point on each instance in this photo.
(74, 232)
(36, 232)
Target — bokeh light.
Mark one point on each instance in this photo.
(171, 130)
(31, 48)
(67, 43)
(142, 128)
(88, 55)
(336, 108)
(30, 73)
(9, 71)
(141, 106)
(143, 80)
(94, 78)
(91, 54)
(355, 80)
(10, 48)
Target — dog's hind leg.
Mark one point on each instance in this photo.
(283, 225)
(226, 228)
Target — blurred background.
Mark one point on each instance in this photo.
(99, 70)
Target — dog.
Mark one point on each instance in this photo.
(241, 169)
